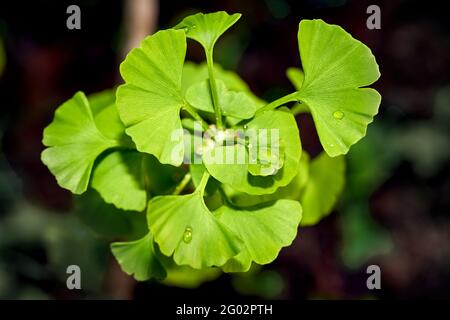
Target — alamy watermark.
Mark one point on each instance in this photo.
(74, 19)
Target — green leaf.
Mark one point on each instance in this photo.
(264, 231)
(207, 28)
(150, 100)
(296, 76)
(138, 258)
(233, 104)
(292, 191)
(336, 66)
(108, 221)
(120, 179)
(196, 73)
(184, 226)
(236, 174)
(126, 178)
(106, 116)
(74, 142)
(325, 184)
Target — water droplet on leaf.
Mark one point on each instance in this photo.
(187, 235)
(339, 115)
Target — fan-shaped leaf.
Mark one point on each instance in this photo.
(184, 226)
(264, 230)
(336, 66)
(207, 28)
(138, 258)
(150, 100)
(74, 142)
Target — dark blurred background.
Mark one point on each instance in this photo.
(395, 209)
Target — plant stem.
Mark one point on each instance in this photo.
(190, 109)
(283, 100)
(203, 182)
(212, 84)
(183, 183)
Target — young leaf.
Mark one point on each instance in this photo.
(184, 226)
(196, 73)
(336, 66)
(207, 28)
(74, 142)
(150, 100)
(325, 184)
(236, 174)
(233, 104)
(264, 231)
(138, 258)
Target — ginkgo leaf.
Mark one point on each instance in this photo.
(264, 231)
(184, 226)
(233, 104)
(321, 192)
(120, 179)
(207, 28)
(196, 73)
(108, 221)
(296, 76)
(126, 178)
(149, 102)
(336, 66)
(106, 116)
(74, 142)
(235, 173)
(292, 191)
(138, 258)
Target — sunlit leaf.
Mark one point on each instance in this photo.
(184, 226)
(138, 258)
(150, 100)
(236, 173)
(207, 28)
(264, 231)
(336, 66)
(120, 179)
(74, 142)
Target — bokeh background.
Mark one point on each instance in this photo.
(395, 208)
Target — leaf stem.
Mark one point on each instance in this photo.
(202, 185)
(212, 84)
(283, 100)
(183, 183)
(190, 109)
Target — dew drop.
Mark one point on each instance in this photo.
(187, 235)
(339, 115)
(245, 127)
